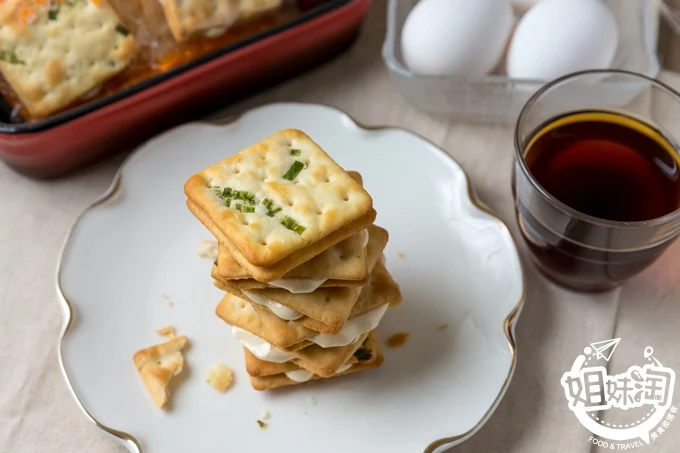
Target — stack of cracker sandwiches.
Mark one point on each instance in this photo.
(299, 259)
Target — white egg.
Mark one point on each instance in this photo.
(446, 37)
(557, 37)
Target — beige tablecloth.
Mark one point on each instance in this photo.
(38, 414)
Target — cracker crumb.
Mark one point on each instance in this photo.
(401, 255)
(220, 377)
(167, 331)
(265, 415)
(311, 401)
(208, 249)
(170, 302)
(262, 424)
(158, 364)
(442, 326)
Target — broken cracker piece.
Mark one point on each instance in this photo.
(158, 364)
(220, 377)
(167, 331)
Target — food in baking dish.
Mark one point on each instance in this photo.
(58, 54)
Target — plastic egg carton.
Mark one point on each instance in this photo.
(496, 98)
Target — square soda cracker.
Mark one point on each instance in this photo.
(250, 283)
(277, 197)
(323, 362)
(280, 380)
(158, 364)
(240, 313)
(381, 289)
(326, 309)
(258, 367)
(54, 55)
(343, 264)
(270, 327)
(332, 305)
(278, 270)
(326, 361)
(189, 17)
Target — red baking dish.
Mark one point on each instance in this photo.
(66, 141)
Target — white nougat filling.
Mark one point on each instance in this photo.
(260, 348)
(344, 368)
(283, 312)
(304, 375)
(298, 286)
(299, 375)
(353, 329)
(263, 350)
(302, 286)
(365, 237)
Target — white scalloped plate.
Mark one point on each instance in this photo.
(136, 247)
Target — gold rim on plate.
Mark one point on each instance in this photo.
(508, 325)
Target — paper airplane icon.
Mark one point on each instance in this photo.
(605, 349)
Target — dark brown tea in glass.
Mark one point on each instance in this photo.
(597, 189)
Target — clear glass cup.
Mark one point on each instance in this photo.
(576, 250)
